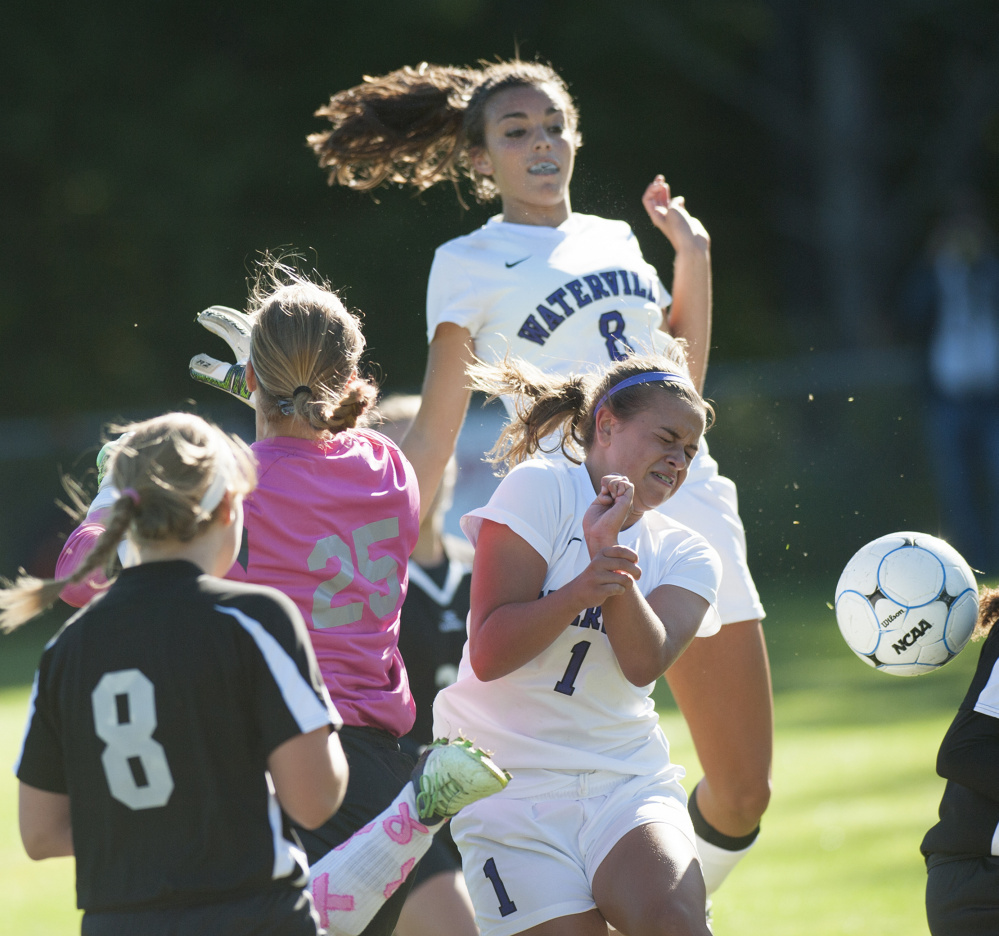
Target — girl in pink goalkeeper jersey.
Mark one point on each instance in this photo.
(331, 523)
(327, 490)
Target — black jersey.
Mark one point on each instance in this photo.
(432, 629)
(969, 761)
(155, 709)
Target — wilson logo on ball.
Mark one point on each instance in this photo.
(892, 617)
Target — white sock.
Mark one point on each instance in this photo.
(716, 863)
(351, 883)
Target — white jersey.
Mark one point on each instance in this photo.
(568, 299)
(571, 708)
(571, 299)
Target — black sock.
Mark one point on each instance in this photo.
(710, 834)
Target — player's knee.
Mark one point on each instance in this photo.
(745, 803)
(679, 919)
(674, 910)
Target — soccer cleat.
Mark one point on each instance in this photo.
(451, 774)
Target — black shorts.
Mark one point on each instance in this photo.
(962, 896)
(281, 911)
(378, 771)
(442, 856)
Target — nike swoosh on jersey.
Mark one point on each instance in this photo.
(516, 262)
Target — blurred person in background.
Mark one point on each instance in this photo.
(953, 299)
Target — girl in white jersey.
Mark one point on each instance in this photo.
(569, 292)
(172, 716)
(583, 594)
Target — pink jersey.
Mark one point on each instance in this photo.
(331, 524)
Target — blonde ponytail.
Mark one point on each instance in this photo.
(165, 469)
(306, 348)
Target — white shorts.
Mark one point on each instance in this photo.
(530, 860)
(710, 506)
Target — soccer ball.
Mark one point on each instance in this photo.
(907, 603)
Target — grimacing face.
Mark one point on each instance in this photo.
(653, 448)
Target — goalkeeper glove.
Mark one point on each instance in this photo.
(234, 327)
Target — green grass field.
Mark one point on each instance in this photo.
(854, 790)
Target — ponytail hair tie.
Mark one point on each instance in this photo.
(132, 494)
(287, 407)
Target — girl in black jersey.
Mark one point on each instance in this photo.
(177, 715)
(962, 849)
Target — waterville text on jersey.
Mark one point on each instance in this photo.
(573, 295)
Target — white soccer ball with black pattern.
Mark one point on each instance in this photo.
(907, 603)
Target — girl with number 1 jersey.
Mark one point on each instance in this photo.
(583, 594)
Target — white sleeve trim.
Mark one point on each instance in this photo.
(289, 858)
(667, 299)
(298, 694)
(529, 501)
(988, 698)
(693, 585)
(512, 521)
(447, 295)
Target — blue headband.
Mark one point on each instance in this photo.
(647, 377)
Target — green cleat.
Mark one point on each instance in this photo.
(451, 774)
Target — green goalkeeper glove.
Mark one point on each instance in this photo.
(234, 327)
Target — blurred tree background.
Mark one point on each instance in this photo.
(149, 151)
